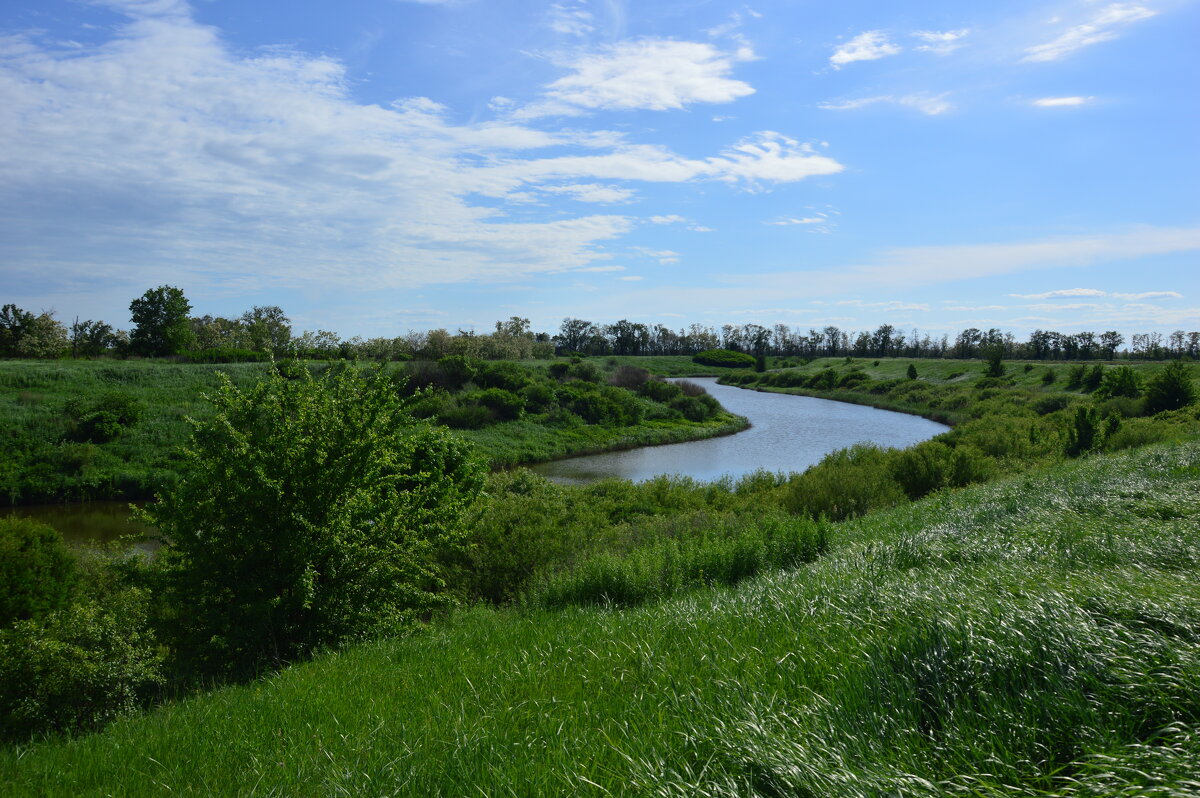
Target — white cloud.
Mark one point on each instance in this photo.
(1096, 292)
(673, 218)
(1059, 102)
(1100, 28)
(653, 74)
(940, 42)
(869, 46)
(163, 146)
(663, 256)
(570, 20)
(591, 192)
(631, 278)
(933, 105)
(788, 220)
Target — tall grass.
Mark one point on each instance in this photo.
(1038, 635)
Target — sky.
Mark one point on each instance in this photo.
(379, 166)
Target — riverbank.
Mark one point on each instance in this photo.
(111, 430)
(1023, 637)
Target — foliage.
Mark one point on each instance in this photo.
(225, 354)
(160, 318)
(77, 667)
(1171, 388)
(911, 373)
(312, 511)
(37, 570)
(1088, 430)
(1121, 381)
(25, 335)
(103, 417)
(724, 358)
(845, 484)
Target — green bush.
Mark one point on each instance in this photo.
(459, 370)
(1171, 388)
(310, 512)
(224, 354)
(507, 405)
(101, 418)
(1121, 381)
(503, 374)
(37, 570)
(465, 415)
(923, 468)
(77, 667)
(724, 358)
(538, 396)
(823, 380)
(846, 483)
(661, 390)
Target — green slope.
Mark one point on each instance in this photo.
(1035, 636)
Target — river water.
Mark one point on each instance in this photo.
(788, 433)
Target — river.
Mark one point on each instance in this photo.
(788, 433)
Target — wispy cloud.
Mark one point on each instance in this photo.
(570, 19)
(790, 220)
(1060, 102)
(931, 104)
(1102, 27)
(591, 192)
(652, 74)
(1096, 292)
(673, 218)
(940, 42)
(868, 46)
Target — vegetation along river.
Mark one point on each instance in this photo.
(788, 433)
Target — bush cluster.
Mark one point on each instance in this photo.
(724, 358)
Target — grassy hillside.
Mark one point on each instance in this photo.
(1038, 635)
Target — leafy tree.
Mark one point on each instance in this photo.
(1088, 430)
(161, 323)
(1121, 381)
(91, 338)
(37, 570)
(13, 323)
(22, 334)
(912, 371)
(994, 353)
(1170, 389)
(311, 511)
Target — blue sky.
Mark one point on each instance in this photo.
(377, 166)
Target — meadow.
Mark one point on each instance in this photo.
(1032, 636)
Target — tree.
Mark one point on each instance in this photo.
(13, 323)
(91, 338)
(268, 329)
(161, 326)
(1170, 389)
(311, 511)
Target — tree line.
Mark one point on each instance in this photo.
(163, 327)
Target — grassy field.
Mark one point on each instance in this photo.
(41, 462)
(1032, 636)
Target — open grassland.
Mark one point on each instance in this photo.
(55, 446)
(1037, 635)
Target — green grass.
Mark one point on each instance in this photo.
(1033, 636)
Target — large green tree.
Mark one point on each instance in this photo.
(161, 324)
(311, 511)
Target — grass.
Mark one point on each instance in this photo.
(1038, 635)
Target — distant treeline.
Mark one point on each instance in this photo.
(164, 327)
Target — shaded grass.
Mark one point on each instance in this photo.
(1034, 636)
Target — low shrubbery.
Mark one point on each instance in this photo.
(724, 358)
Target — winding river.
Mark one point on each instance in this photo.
(788, 433)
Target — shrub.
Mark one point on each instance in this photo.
(458, 370)
(503, 374)
(824, 380)
(225, 354)
(661, 390)
(1121, 381)
(102, 418)
(1049, 376)
(846, 483)
(852, 379)
(538, 396)
(558, 371)
(690, 388)
(1093, 378)
(310, 512)
(912, 371)
(77, 667)
(724, 358)
(460, 415)
(37, 570)
(1050, 404)
(923, 468)
(585, 372)
(506, 405)
(1075, 376)
(630, 377)
(1087, 431)
(1170, 389)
